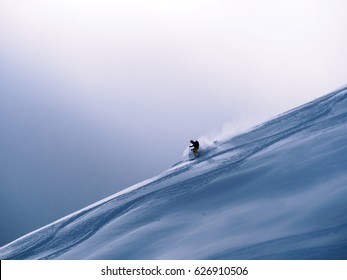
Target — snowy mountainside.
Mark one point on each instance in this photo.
(278, 191)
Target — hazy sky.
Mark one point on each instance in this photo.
(97, 95)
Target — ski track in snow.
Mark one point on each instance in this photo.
(187, 177)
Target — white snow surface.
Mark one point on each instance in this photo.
(277, 191)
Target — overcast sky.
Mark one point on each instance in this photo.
(97, 95)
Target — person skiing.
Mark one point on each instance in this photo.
(195, 146)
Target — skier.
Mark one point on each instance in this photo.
(195, 146)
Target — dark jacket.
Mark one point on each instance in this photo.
(195, 144)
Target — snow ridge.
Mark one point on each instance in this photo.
(291, 170)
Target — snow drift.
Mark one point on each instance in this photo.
(278, 191)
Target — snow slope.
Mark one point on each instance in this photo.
(278, 191)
